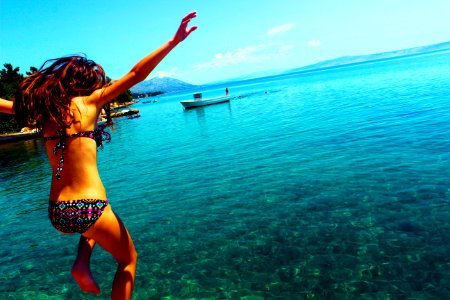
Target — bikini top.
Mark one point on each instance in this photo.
(98, 134)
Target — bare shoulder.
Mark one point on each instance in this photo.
(85, 112)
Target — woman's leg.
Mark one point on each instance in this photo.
(81, 270)
(111, 234)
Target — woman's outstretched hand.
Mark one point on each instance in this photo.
(183, 32)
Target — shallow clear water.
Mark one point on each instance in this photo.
(328, 185)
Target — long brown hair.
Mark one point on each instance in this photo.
(45, 95)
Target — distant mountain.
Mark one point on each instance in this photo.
(160, 84)
(351, 60)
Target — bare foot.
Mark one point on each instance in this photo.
(84, 278)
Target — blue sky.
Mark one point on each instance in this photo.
(234, 38)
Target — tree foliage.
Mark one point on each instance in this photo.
(125, 97)
(9, 82)
(122, 98)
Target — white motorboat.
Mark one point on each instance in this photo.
(199, 101)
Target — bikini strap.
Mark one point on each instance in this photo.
(60, 145)
(98, 134)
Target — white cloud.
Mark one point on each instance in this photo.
(162, 74)
(313, 43)
(248, 54)
(280, 29)
(171, 73)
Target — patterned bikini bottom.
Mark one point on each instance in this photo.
(75, 215)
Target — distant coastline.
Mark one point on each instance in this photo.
(371, 58)
(362, 62)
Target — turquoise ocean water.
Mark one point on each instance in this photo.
(326, 185)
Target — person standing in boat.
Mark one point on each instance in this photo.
(64, 98)
(226, 92)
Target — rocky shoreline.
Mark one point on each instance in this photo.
(21, 136)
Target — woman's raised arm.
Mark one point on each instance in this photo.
(143, 68)
(6, 106)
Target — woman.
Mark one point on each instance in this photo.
(64, 99)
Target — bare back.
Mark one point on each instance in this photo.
(79, 178)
